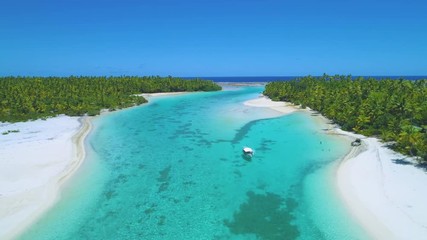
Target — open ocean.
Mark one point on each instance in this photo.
(173, 169)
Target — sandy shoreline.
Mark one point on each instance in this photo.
(382, 189)
(263, 101)
(34, 163)
(150, 95)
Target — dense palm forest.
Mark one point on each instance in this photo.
(394, 110)
(24, 98)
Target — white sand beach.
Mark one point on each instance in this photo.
(263, 101)
(34, 163)
(382, 189)
(150, 95)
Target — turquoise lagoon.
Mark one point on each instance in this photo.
(173, 169)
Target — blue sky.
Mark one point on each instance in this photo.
(213, 38)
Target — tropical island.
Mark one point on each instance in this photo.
(393, 110)
(128, 120)
(30, 98)
(51, 118)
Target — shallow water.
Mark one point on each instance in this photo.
(173, 169)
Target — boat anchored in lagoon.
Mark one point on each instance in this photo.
(248, 153)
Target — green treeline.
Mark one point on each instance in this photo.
(394, 110)
(24, 98)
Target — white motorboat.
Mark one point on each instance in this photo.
(248, 151)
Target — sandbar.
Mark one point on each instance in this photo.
(263, 101)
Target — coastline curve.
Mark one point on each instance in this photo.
(61, 144)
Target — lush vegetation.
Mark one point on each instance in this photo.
(24, 98)
(394, 110)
